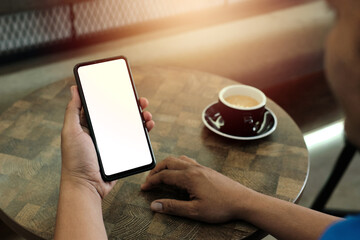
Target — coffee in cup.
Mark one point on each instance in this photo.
(242, 108)
(242, 101)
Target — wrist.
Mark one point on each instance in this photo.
(245, 207)
(76, 183)
(79, 214)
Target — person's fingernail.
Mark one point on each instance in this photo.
(156, 206)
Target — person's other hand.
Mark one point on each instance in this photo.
(214, 197)
(79, 159)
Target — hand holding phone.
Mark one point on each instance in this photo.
(79, 159)
(114, 117)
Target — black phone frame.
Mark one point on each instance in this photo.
(126, 173)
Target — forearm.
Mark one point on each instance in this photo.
(79, 214)
(284, 220)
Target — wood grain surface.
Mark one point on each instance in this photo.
(30, 159)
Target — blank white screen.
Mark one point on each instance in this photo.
(114, 115)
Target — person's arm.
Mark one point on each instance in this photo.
(216, 198)
(284, 220)
(79, 214)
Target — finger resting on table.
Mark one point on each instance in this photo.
(171, 163)
(175, 207)
(168, 177)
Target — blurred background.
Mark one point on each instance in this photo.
(277, 46)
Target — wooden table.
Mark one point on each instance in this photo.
(30, 159)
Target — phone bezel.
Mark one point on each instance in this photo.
(88, 118)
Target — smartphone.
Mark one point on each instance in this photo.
(114, 117)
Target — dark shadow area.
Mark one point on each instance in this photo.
(308, 100)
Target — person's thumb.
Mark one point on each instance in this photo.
(72, 114)
(175, 207)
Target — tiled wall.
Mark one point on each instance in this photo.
(26, 24)
(11, 6)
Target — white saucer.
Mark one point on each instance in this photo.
(213, 121)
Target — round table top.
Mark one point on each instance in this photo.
(30, 158)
